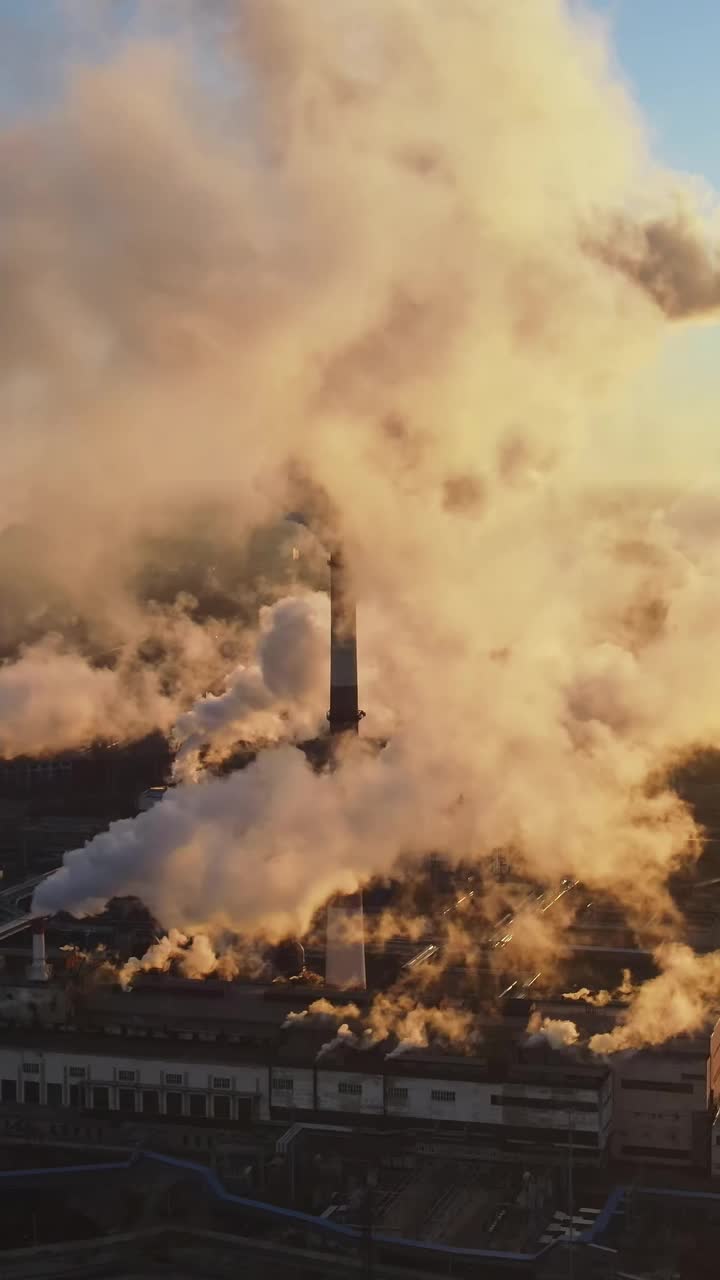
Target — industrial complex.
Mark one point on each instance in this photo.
(498, 1145)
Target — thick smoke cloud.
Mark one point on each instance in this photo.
(393, 1014)
(684, 998)
(276, 697)
(192, 957)
(558, 1033)
(54, 698)
(308, 263)
(672, 258)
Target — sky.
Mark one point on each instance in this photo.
(668, 50)
(667, 53)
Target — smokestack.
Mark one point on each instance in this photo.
(344, 715)
(345, 937)
(38, 970)
(345, 943)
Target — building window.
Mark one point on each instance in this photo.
(220, 1082)
(31, 1068)
(172, 1079)
(349, 1086)
(284, 1083)
(127, 1075)
(443, 1095)
(76, 1095)
(77, 1072)
(689, 1075)
(658, 1086)
(397, 1093)
(8, 1090)
(101, 1098)
(126, 1099)
(54, 1095)
(670, 1153)
(221, 1108)
(198, 1105)
(150, 1102)
(173, 1104)
(31, 1092)
(543, 1104)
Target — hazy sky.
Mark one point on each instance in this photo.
(668, 50)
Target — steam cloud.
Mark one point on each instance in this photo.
(393, 1014)
(306, 263)
(54, 698)
(683, 998)
(195, 958)
(621, 994)
(276, 697)
(558, 1033)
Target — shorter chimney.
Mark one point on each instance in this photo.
(345, 943)
(38, 970)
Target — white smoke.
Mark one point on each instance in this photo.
(275, 698)
(683, 998)
(321, 1012)
(308, 264)
(194, 957)
(619, 995)
(392, 1014)
(557, 1033)
(344, 1038)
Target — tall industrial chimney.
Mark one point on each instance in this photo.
(38, 970)
(344, 715)
(345, 936)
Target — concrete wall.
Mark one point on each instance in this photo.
(320, 1090)
(661, 1106)
(246, 1081)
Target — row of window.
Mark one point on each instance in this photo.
(543, 1104)
(670, 1153)
(147, 1101)
(397, 1093)
(218, 1082)
(658, 1086)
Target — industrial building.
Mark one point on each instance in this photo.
(175, 1053)
(476, 1143)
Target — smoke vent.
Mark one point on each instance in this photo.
(38, 970)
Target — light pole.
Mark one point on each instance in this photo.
(571, 1191)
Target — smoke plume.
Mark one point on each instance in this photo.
(683, 998)
(276, 697)
(262, 242)
(619, 995)
(556, 1032)
(194, 957)
(392, 1015)
(322, 1011)
(343, 1037)
(55, 698)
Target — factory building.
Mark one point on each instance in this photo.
(531, 1109)
(220, 1055)
(662, 1105)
